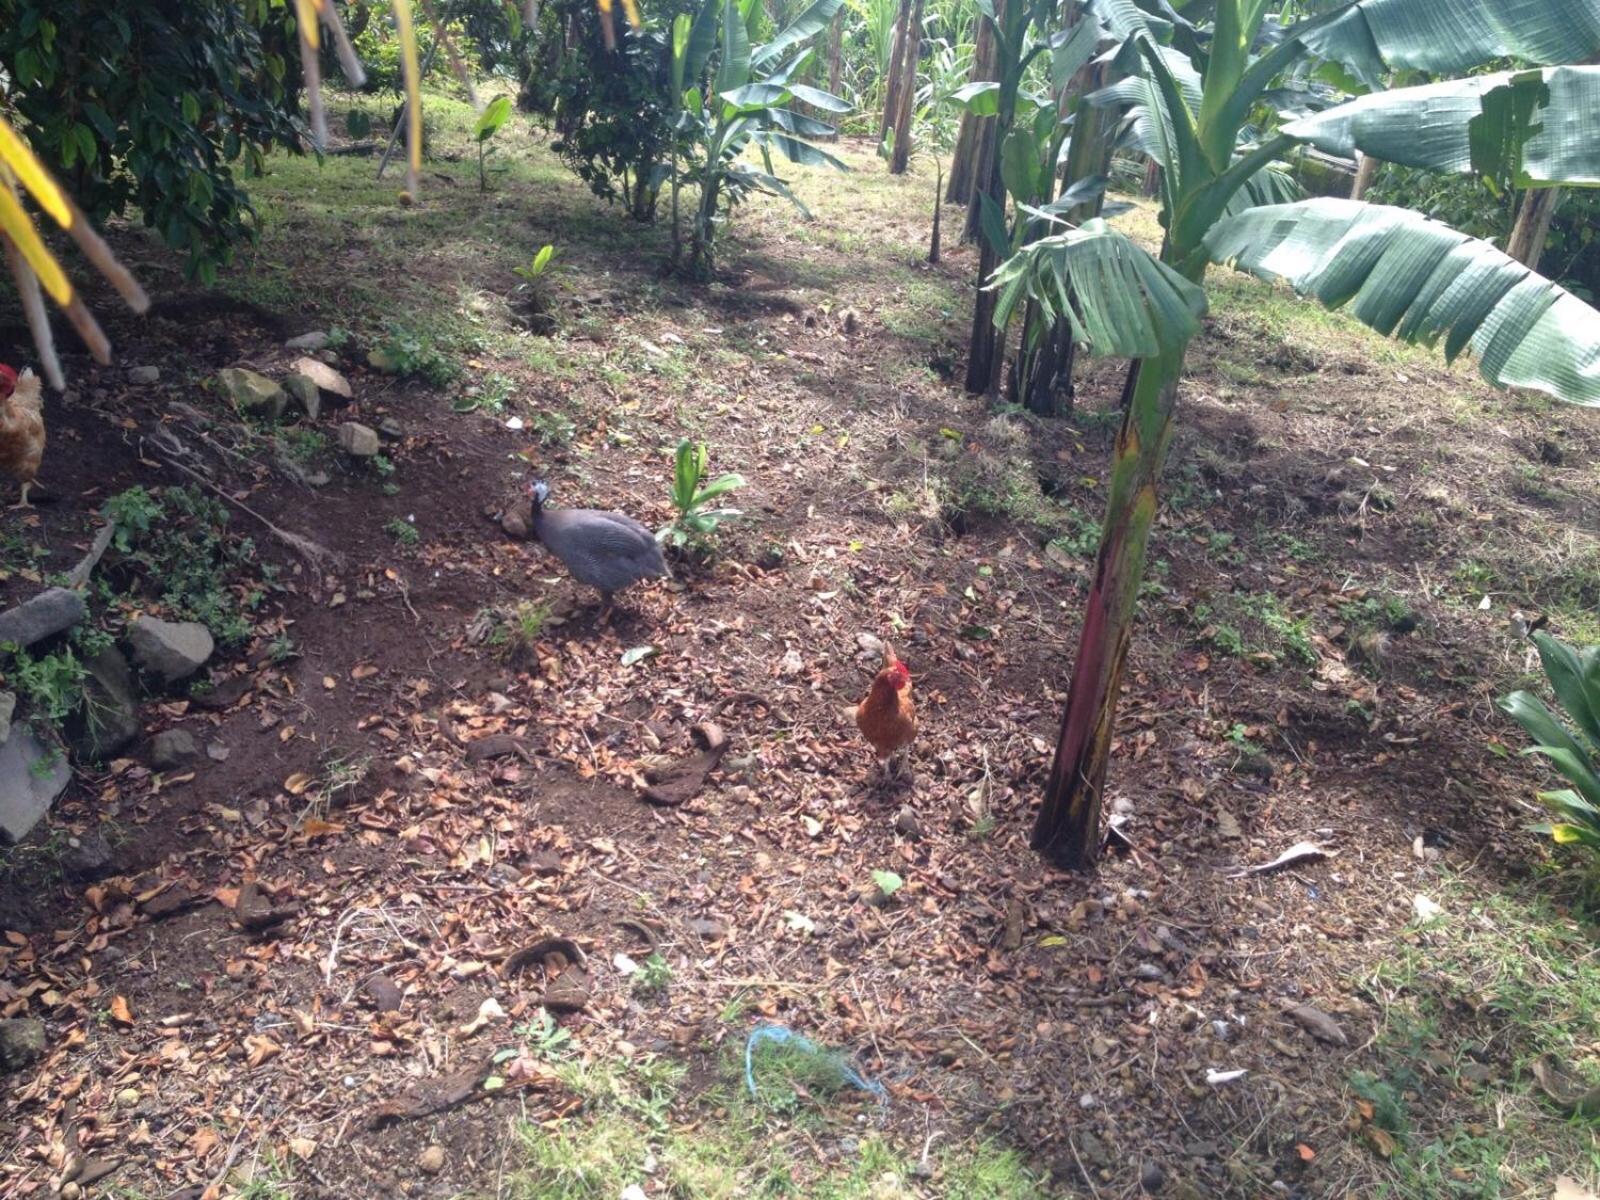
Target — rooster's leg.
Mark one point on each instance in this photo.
(23, 503)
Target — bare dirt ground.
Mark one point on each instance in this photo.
(1315, 662)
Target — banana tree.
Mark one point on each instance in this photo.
(744, 105)
(1394, 269)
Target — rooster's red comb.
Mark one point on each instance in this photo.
(8, 380)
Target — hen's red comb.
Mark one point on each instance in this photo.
(8, 380)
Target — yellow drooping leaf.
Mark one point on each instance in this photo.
(30, 173)
(17, 226)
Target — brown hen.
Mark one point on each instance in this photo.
(21, 428)
(887, 718)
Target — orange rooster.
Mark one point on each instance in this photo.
(888, 717)
(21, 428)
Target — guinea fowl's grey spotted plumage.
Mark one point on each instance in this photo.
(605, 550)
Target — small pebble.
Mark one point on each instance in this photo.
(1088, 1100)
(1152, 1177)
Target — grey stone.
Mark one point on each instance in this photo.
(324, 376)
(8, 705)
(144, 375)
(87, 857)
(357, 440)
(172, 748)
(315, 340)
(303, 390)
(252, 393)
(31, 777)
(110, 718)
(46, 614)
(173, 650)
(391, 429)
(908, 823)
(22, 1039)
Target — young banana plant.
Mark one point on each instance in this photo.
(1394, 269)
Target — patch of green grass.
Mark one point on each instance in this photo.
(1469, 1003)
(639, 1128)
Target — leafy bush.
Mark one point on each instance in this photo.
(694, 520)
(148, 105)
(610, 108)
(1574, 677)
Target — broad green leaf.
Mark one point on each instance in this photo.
(1530, 712)
(753, 97)
(888, 882)
(818, 98)
(807, 25)
(1118, 299)
(702, 40)
(981, 99)
(681, 25)
(1373, 37)
(494, 115)
(1575, 679)
(720, 486)
(1407, 275)
(734, 69)
(798, 151)
(1472, 125)
(795, 123)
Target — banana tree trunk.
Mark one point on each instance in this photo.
(835, 62)
(1067, 830)
(986, 347)
(967, 154)
(900, 158)
(891, 95)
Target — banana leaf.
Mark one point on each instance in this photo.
(1407, 275)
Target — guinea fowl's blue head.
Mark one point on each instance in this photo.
(538, 492)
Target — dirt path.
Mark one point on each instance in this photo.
(1314, 665)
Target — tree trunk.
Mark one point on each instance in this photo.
(1067, 830)
(1532, 228)
(1042, 371)
(1366, 172)
(891, 94)
(938, 206)
(901, 157)
(1152, 178)
(964, 160)
(985, 152)
(986, 348)
(835, 69)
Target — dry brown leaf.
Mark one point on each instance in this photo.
(489, 1010)
(297, 783)
(302, 1147)
(363, 671)
(261, 1049)
(1568, 1188)
(120, 1012)
(313, 827)
(205, 1140)
(227, 897)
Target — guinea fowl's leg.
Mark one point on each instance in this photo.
(606, 604)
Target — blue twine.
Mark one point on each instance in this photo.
(784, 1036)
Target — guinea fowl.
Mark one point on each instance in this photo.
(605, 550)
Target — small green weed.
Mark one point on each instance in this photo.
(692, 495)
(408, 352)
(655, 973)
(403, 531)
